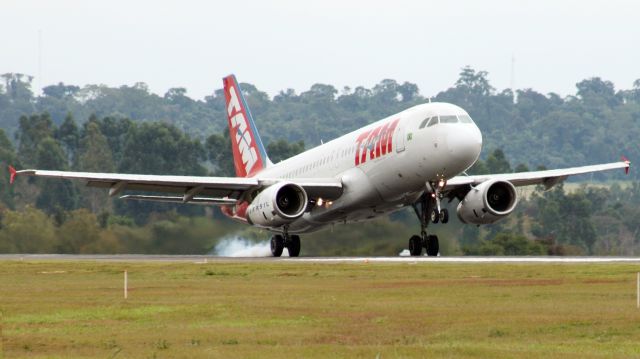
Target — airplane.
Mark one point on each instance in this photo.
(417, 157)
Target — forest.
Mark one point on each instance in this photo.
(132, 130)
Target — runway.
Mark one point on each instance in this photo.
(214, 259)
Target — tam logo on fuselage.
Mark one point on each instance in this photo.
(243, 137)
(375, 143)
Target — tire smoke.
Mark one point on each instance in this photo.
(236, 246)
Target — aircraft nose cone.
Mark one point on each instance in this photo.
(464, 144)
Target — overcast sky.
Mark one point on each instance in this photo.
(293, 44)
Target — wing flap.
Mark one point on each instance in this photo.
(176, 199)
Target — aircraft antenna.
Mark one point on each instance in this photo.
(39, 60)
(513, 78)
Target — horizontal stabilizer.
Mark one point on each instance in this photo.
(175, 199)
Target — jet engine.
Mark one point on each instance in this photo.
(488, 202)
(277, 205)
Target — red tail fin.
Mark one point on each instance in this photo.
(249, 154)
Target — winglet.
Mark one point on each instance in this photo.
(12, 174)
(626, 160)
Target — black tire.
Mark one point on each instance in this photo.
(277, 245)
(415, 245)
(433, 247)
(435, 216)
(293, 246)
(444, 216)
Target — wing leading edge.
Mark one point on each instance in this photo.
(185, 189)
(548, 178)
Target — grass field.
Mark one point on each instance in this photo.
(277, 309)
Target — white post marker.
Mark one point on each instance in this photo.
(125, 284)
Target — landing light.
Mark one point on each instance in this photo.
(442, 183)
(322, 203)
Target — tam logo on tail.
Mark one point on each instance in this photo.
(249, 154)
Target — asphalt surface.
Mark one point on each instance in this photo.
(214, 259)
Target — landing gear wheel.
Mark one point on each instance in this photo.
(435, 216)
(277, 245)
(444, 215)
(433, 247)
(415, 245)
(293, 246)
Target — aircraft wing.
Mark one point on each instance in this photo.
(185, 189)
(548, 178)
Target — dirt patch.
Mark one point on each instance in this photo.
(288, 274)
(603, 281)
(469, 281)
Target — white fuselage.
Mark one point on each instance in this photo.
(379, 180)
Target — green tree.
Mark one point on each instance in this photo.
(159, 148)
(478, 168)
(476, 81)
(56, 196)
(115, 131)
(18, 86)
(497, 162)
(60, 91)
(218, 147)
(68, 135)
(521, 168)
(506, 244)
(33, 130)
(567, 217)
(596, 89)
(281, 150)
(95, 156)
(7, 157)
(28, 231)
(78, 232)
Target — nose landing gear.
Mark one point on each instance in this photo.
(442, 216)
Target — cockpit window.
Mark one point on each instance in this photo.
(434, 121)
(424, 122)
(449, 119)
(465, 119)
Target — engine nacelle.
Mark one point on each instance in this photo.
(277, 205)
(488, 202)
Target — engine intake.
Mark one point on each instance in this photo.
(277, 205)
(488, 202)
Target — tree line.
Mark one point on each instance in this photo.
(596, 124)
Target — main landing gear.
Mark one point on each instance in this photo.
(280, 242)
(428, 210)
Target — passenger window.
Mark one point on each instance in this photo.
(465, 119)
(449, 119)
(434, 121)
(424, 123)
